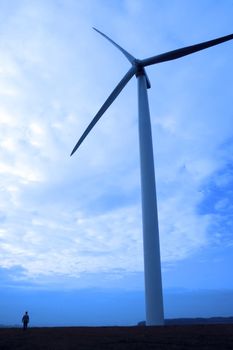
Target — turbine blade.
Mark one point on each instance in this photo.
(129, 57)
(172, 55)
(106, 104)
(148, 84)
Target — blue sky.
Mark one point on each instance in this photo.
(71, 227)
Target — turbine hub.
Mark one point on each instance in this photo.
(139, 67)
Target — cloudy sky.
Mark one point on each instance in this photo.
(71, 226)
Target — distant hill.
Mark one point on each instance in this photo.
(198, 320)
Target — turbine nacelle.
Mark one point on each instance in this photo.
(140, 70)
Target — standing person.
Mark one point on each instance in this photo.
(25, 320)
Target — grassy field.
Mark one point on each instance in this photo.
(212, 337)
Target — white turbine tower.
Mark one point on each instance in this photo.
(152, 264)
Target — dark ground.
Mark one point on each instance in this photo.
(204, 337)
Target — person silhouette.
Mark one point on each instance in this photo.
(25, 320)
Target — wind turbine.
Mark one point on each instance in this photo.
(152, 263)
